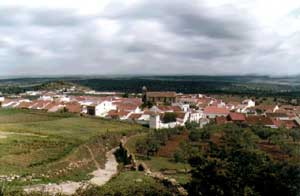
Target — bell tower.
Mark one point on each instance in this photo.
(144, 94)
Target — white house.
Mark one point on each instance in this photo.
(156, 123)
(213, 112)
(46, 98)
(249, 103)
(64, 99)
(195, 116)
(33, 93)
(9, 103)
(100, 109)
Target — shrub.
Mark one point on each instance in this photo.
(169, 117)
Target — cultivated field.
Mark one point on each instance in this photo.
(37, 147)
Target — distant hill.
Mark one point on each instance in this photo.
(59, 85)
(238, 85)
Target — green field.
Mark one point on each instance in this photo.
(39, 147)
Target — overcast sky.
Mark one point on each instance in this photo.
(215, 37)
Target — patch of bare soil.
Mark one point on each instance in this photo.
(173, 144)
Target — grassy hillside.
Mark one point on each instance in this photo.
(128, 183)
(40, 147)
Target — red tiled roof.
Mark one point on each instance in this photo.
(169, 108)
(73, 107)
(117, 114)
(127, 107)
(268, 108)
(215, 110)
(39, 104)
(237, 116)
(277, 115)
(6, 101)
(255, 120)
(131, 101)
(161, 94)
(24, 105)
(289, 124)
(51, 105)
(135, 116)
(287, 107)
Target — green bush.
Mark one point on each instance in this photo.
(169, 117)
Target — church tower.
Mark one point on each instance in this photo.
(144, 94)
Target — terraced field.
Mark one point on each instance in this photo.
(37, 147)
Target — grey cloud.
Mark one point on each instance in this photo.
(189, 18)
(11, 16)
(17, 16)
(154, 37)
(52, 17)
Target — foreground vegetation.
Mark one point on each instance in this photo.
(226, 160)
(127, 183)
(156, 149)
(37, 147)
(234, 160)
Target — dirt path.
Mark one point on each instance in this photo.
(93, 156)
(100, 177)
(4, 135)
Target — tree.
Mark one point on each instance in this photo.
(295, 134)
(122, 155)
(147, 104)
(236, 138)
(169, 117)
(184, 152)
(209, 177)
(264, 133)
(191, 125)
(199, 134)
(235, 166)
(125, 95)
